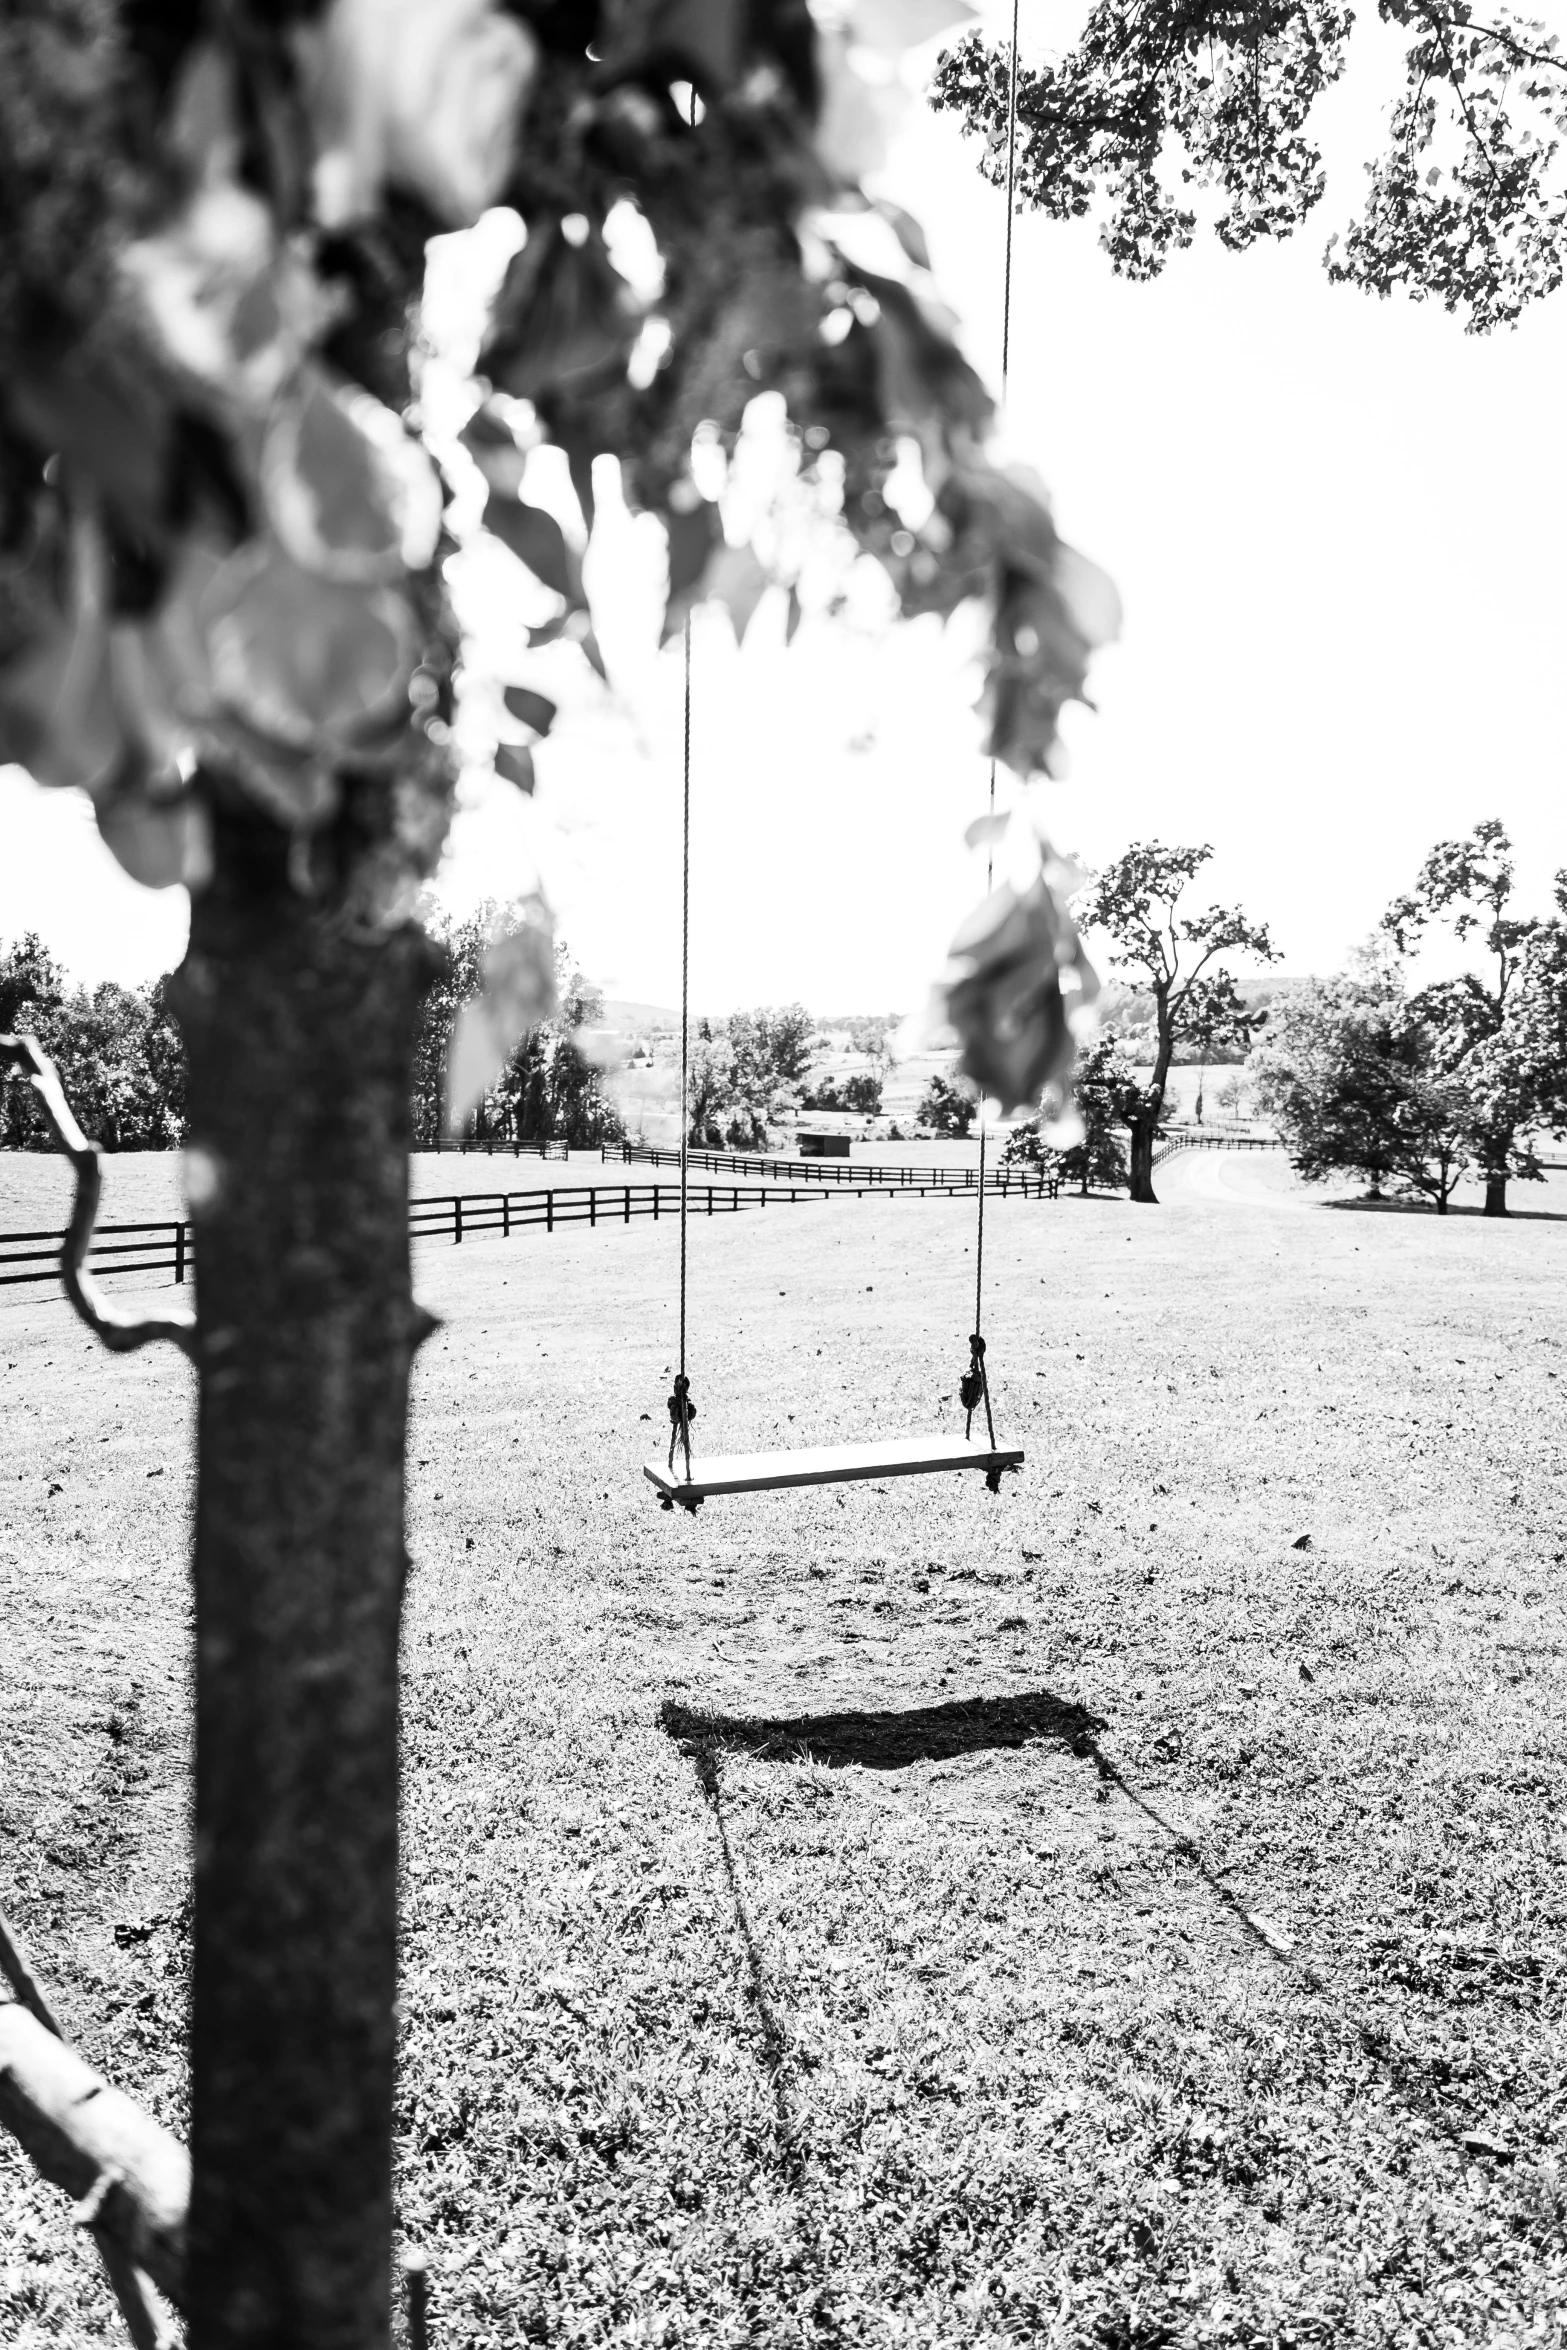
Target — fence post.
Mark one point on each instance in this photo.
(549, 1211)
(457, 1221)
(505, 1215)
(593, 1205)
(628, 1203)
(709, 1199)
(179, 1254)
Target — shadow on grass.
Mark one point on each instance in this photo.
(885, 1741)
(1402, 2075)
(1424, 1207)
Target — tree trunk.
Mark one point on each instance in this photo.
(300, 1033)
(1143, 1133)
(1496, 1194)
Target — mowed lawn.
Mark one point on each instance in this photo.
(1128, 1910)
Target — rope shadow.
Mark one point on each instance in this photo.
(887, 1741)
(1401, 2076)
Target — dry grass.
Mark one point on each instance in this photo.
(907, 1917)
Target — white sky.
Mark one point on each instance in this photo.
(1337, 526)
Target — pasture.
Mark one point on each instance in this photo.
(1126, 1911)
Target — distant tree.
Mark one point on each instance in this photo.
(1346, 1072)
(547, 1090)
(1105, 1093)
(746, 1074)
(1135, 903)
(457, 978)
(31, 982)
(707, 1091)
(1151, 98)
(1493, 1032)
(116, 1048)
(948, 1107)
(859, 1095)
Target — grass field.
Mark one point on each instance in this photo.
(1127, 1911)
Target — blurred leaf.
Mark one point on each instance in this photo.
(534, 710)
(693, 532)
(908, 232)
(677, 39)
(738, 582)
(692, 535)
(492, 445)
(517, 992)
(311, 664)
(537, 540)
(1001, 994)
(348, 492)
(110, 422)
(159, 842)
(563, 312)
(58, 716)
(793, 616)
(514, 764)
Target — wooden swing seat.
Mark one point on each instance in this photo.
(830, 1464)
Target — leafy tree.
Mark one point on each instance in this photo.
(116, 1048)
(948, 1107)
(224, 614)
(1466, 203)
(31, 982)
(1493, 1032)
(547, 1091)
(1136, 902)
(745, 1074)
(1346, 1073)
(1105, 1094)
(859, 1094)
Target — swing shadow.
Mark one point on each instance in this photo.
(889, 1741)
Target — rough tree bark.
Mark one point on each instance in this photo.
(299, 1034)
(1144, 1124)
(1496, 1194)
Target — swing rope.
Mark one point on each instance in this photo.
(975, 1386)
(682, 1411)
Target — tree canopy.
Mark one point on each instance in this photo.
(1347, 1074)
(1175, 954)
(1466, 202)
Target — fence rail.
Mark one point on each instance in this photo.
(775, 1170)
(1212, 1142)
(169, 1247)
(490, 1144)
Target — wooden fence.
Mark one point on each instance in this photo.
(1213, 1142)
(772, 1170)
(489, 1144)
(170, 1247)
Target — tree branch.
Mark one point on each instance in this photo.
(122, 1333)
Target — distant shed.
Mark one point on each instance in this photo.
(823, 1146)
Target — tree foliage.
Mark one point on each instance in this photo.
(1106, 1095)
(948, 1106)
(224, 522)
(747, 1073)
(1157, 98)
(117, 1049)
(1348, 1074)
(858, 1095)
(1500, 1032)
(1136, 904)
(547, 1090)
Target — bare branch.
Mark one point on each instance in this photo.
(122, 1333)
